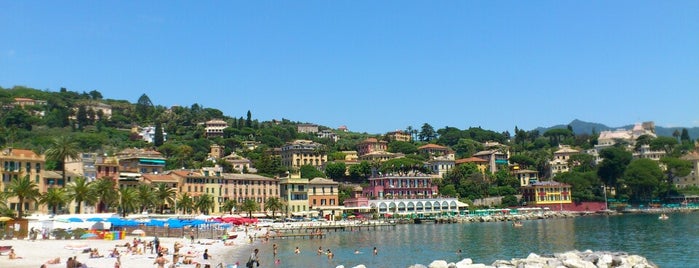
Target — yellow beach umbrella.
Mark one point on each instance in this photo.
(5, 218)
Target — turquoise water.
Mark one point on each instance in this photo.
(669, 243)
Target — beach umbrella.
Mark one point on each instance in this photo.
(95, 219)
(138, 232)
(156, 223)
(74, 219)
(87, 235)
(4, 218)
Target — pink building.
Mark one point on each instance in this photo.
(406, 186)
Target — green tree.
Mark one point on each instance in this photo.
(185, 203)
(360, 172)
(249, 206)
(335, 170)
(54, 198)
(666, 144)
(128, 200)
(248, 120)
(158, 138)
(146, 197)
(144, 106)
(105, 191)
(204, 203)
(613, 165)
(274, 204)
(403, 147)
(229, 205)
(427, 133)
(25, 190)
(165, 195)
(524, 161)
(79, 191)
(684, 137)
(310, 172)
(676, 167)
(62, 148)
(643, 177)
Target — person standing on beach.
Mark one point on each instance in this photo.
(156, 245)
(274, 251)
(254, 260)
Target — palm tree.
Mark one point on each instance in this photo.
(204, 203)
(62, 147)
(54, 198)
(79, 191)
(164, 195)
(105, 192)
(25, 190)
(274, 204)
(229, 205)
(185, 203)
(128, 200)
(250, 205)
(146, 196)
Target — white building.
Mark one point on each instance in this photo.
(148, 134)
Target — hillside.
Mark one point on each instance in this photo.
(580, 127)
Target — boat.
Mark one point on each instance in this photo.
(663, 217)
(424, 220)
(5, 249)
(517, 224)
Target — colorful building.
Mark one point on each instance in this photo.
(547, 193)
(400, 186)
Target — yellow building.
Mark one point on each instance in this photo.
(547, 193)
(294, 193)
(303, 152)
(398, 135)
(18, 163)
(481, 164)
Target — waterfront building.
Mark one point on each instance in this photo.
(561, 157)
(107, 167)
(294, 192)
(18, 163)
(303, 152)
(323, 197)
(550, 194)
(240, 187)
(198, 183)
(214, 128)
(371, 145)
(420, 206)
(413, 185)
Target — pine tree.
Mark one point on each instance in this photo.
(158, 138)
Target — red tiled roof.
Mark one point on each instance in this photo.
(20, 152)
(159, 178)
(431, 145)
(470, 160)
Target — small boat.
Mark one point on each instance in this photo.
(663, 217)
(517, 224)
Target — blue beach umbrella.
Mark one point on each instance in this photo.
(95, 219)
(87, 235)
(75, 219)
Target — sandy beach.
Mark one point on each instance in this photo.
(35, 253)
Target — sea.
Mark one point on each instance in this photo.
(668, 243)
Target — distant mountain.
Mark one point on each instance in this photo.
(588, 127)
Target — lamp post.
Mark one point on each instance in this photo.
(604, 188)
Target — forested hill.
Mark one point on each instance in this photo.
(582, 127)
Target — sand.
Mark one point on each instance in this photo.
(35, 253)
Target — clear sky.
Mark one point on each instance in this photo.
(374, 66)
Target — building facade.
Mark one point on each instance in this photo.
(547, 193)
(398, 135)
(214, 128)
(561, 158)
(303, 152)
(17, 163)
(371, 145)
(394, 186)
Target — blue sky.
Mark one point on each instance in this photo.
(374, 66)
